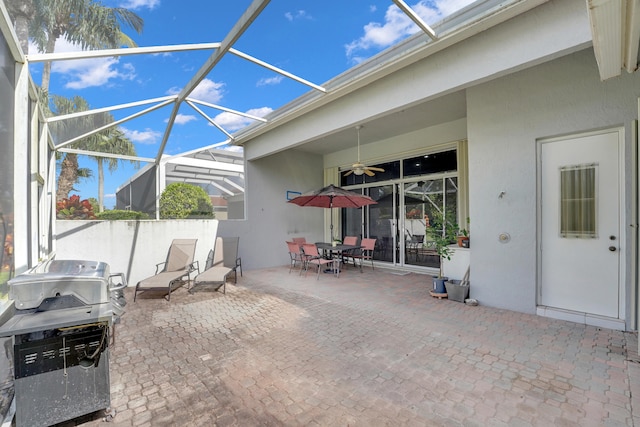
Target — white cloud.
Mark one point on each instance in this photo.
(84, 73)
(182, 119)
(173, 90)
(208, 91)
(232, 122)
(397, 25)
(447, 7)
(110, 196)
(236, 148)
(298, 14)
(147, 136)
(269, 81)
(139, 4)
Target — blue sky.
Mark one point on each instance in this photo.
(315, 40)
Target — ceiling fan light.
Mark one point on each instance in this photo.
(358, 171)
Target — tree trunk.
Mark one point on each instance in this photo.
(68, 176)
(21, 12)
(46, 70)
(100, 185)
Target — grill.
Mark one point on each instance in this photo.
(63, 318)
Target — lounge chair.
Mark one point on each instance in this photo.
(230, 256)
(179, 264)
(220, 263)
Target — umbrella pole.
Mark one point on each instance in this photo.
(331, 216)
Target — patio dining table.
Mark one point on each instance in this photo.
(329, 250)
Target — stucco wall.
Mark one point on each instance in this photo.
(270, 219)
(131, 247)
(505, 119)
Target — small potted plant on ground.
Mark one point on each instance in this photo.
(442, 230)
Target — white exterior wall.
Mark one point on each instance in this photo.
(132, 247)
(270, 220)
(505, 119)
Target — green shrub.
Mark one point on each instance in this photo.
(118, 214)
(181, 200)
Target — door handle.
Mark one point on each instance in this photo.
(612, 248)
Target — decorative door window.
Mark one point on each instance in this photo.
(578, 196)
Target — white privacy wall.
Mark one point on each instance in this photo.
(505, 118)
(131, 247)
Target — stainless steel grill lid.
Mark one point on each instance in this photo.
(86, 281)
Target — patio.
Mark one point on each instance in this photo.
(368, 349)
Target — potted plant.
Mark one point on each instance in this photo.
(463, 236)
(442, 230)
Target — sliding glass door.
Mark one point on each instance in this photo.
(408, 193)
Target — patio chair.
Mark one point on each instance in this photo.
(349, 240)
(366, 252)
(295, 254)
(312, 256)
(179, 264)
(299, 240)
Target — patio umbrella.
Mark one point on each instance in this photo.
(332, 196)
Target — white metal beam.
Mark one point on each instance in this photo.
(416, 19)
(206, 164)
(222, 188)
(12, 40)
(277, 70)
(252, 12)
(107, 109)
(209, 119)
(607, 22)
(88, 54)
(112, 124)
(207, 147)
(107, 155)
(228, 110)
(233, 184)
(632, 36)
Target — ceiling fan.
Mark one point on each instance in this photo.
(359, 168)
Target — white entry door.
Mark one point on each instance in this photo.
(580, 224)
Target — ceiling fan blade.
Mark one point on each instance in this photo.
(368, 172)
(348, 173)
(375, 169)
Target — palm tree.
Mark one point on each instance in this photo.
(70, 172)
(82, 22)
(111, 141)
(21, 13)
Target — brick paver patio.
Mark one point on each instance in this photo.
(364, 349)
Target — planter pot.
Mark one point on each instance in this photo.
(438, 285)
(463, 241)
(456, 291)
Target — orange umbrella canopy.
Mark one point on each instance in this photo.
(333, 197)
